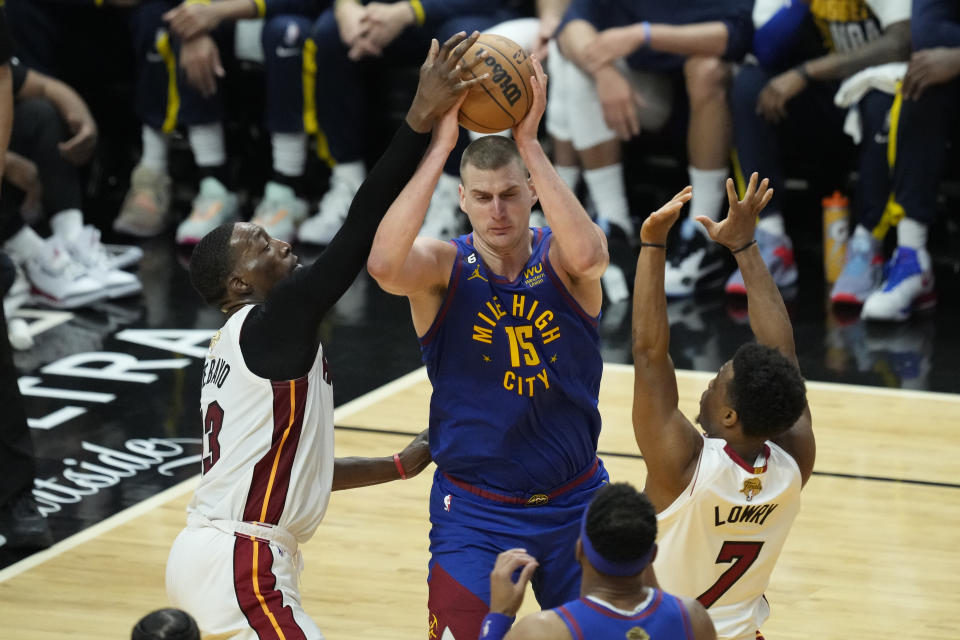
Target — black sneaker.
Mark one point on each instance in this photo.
(22, 526)
(693, 262)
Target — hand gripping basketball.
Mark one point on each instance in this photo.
(502, 100)
(441, 84)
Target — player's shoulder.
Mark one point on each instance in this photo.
(700, 621)
(543, 625)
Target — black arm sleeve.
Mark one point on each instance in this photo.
(279, 337)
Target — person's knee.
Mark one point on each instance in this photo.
(283, 32)
(326, 36)
(707, 79)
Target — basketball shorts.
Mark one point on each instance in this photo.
(469, 530)
(237, 584)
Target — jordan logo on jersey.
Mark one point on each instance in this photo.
(522, 353)
(751, 487)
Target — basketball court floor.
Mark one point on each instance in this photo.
(112, 394)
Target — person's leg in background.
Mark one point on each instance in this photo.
(695, 260)
(145, 209)
(341, 116)
(57, 276)
(923, 127)
(216, 201)
(289, 106)
(863, 262)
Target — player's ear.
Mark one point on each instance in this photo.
(730, 417)
(237, 286)
(463, 195)
(533, 191)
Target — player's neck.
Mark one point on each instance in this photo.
(625, 594)
(507, 262)
(747, 449)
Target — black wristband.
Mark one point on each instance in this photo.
(746, 246)
(653, 244)
(802, 70)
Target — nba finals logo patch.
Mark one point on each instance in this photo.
(214, 340)
(751, 487)
(637, 633)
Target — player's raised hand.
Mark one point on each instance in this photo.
(736, 230)
(527, 128)
(506, 596)
(440, 84)
(657, 225)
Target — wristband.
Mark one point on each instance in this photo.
(744, 247)
(802, 70)
(656, 245)
(495, 626)
(396, 461)
(646, 33)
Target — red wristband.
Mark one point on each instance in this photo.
(396, 461)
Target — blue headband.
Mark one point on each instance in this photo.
(603, 565)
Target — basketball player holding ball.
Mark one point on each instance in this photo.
(507, 322)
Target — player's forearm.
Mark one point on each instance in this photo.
(892, 46)
(399, 227)
(702, 39)
(352, 473)
(574, 41)
(651, 327)
(768, 315)
(238, 9)
(581, 241)
(67, 101)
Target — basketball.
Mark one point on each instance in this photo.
(501, 101)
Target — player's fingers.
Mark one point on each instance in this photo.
(527, 573)
(686, 192)
(461, 48)
(450, 43)
(469, 84)
(767, 197)
(751, 186)
(478, 61)
(707, 223)
(731, 192)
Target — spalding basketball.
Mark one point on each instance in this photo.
(502, 100)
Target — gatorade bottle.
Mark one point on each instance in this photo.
(836, 230)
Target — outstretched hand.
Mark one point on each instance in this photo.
(526, 129)
(506, 596)
(440, 83)
(657, 225)
(736, 230)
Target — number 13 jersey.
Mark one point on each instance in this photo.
(267, 445)
(719, 541)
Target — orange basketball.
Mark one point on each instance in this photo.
(502, 100)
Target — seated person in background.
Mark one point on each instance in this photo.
(201, 34)
(349, 36)
(931, 100)
(615, 78)
(859, 34)
(617, 543)
(53, 134)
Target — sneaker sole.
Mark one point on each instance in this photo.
(846, 299)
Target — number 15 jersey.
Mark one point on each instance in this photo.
(719, 541)
(267, 445)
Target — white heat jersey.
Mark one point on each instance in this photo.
(719, 541)
(267, 445)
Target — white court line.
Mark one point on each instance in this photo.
(190, 484)
(822, 386)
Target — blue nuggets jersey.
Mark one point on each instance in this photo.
(515, 368)
(664, 616)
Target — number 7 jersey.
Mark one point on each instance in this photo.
(720, 539)
(267, 445)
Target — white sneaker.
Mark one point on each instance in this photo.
(442, 220)
(320, 228)
(909, 287)
(58, 281)
(86, 249)
(123, 255)
(18, 332)
(280, 211)
(213, 206)
(145, 209)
